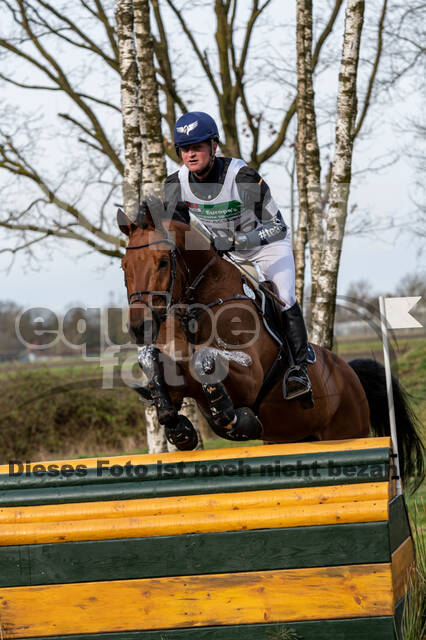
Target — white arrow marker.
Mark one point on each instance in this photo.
(397, 311)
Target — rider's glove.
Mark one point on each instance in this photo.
(222, 243)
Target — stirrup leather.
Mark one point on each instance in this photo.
(299, 385)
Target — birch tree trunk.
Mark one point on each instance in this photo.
(153, 175)
(129, 108)
(154, 169)
(308, 164)
(302, 223)
(325, 302)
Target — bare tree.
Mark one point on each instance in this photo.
(71, 51)
(308, 153)
(145, 166)
(324, 302)
(132, 178)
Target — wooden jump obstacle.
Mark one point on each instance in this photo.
(258, 543)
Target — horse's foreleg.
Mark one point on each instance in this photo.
(230, 423)
(179, 431)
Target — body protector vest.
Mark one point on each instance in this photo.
(224, 213)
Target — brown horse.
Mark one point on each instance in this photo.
(201, 335)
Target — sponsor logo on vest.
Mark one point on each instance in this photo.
(216, 212)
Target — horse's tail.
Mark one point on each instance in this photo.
(411, 449)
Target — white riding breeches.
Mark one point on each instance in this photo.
(276, 262)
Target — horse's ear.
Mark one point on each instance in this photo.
(153, 211)
(124, 223)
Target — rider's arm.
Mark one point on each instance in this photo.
(176, 208)
(256, 196)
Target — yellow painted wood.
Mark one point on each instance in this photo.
(239, 598)
(194, 522)
(403, 560)
(207, 502)
(331, 446)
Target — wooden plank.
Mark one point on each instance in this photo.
(350, 629)
(224, 454)
(237, 598)
(182, 504)
(258, 550)
(306, 466)
(193, 522)
(399, 612)
(399, 524)
(322, 476)
(403, 560)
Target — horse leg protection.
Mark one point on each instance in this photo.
(232, 424)
(149, 361)
(220, 404)
(246, 426)
(178, 429)
(209, 369)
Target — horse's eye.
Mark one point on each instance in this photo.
(163, 263)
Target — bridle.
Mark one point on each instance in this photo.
(136, 296)
(172, 306)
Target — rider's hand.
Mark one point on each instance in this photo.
(240, 241)
(223, 243)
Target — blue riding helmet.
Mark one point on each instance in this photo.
(193, 127)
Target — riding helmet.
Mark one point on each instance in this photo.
(193, 127)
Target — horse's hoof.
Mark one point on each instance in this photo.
(182, 434)
(247, 424)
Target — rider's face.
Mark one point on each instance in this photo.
(197, 156)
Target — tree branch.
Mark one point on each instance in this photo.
(202, 58)
(69, 235)
(374, 70)
(277, 143)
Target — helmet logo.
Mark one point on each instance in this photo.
(187, 128)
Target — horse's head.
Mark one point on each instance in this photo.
(154, 274)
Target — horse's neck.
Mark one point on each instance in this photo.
(222, 279)
(221, 276)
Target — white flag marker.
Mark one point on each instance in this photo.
(395, 314)
(397, 311)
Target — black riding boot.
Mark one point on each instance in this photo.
(296, 381)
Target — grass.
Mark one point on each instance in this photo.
(402, 344)
(413, 626)
(48, 413)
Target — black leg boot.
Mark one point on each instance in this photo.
(296, 381)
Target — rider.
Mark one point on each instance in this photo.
(236, 206)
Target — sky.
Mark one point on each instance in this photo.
(70, 275)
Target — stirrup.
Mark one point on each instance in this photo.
(300, 385)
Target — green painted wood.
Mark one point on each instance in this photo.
(399, 612)
(399, 524)
(348, 464)
(283, 472)
(193, 486)
(349, 629)
(221, 552)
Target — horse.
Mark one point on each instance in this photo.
(199, 328)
